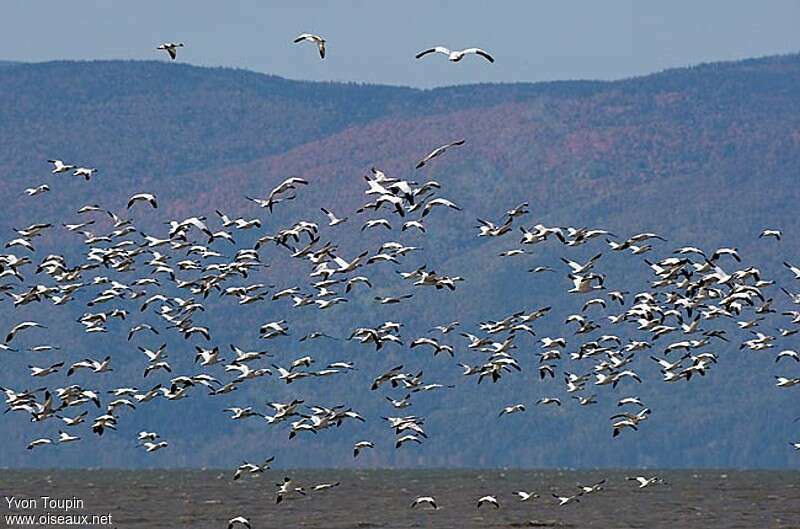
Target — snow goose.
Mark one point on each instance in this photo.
(34, 191)
(64, 437)
(153, 447)
(286, 488)
(438, 152)
(96, 366)
(60, 167)
(85, 172)
(239, 520)
(361, 445)
(777, 234)
(455, 55)
(143, 197)
(74, 421)
(413, 224)
(508, 410)
(629, 400)
(526, 496)
(252, 469)
(407, 439)
(491, 500)
(643, 481)
(45, 371)
(438, 202)
(376, 222)
(565, 500)
(795, 270)
(171, 48)
(146, 436)
(316, 39)
(39, 442)
(788, 353)
(588, 489)
(425, 500)
(333, 220)
(544, 401)
(783, 382)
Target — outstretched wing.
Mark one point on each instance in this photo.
(437, 49)
(480, 52)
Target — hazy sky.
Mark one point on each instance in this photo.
(375, 41)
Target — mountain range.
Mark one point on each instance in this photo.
(707, 155)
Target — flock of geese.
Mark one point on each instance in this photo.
(172, 275)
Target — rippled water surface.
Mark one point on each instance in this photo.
(381, 499)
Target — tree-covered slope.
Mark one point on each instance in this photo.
(707, 156)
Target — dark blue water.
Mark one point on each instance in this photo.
(382, 499)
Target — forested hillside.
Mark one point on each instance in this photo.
(705, 156)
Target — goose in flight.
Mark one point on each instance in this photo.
(171, 48)
(33, 191)
(333, 219)
(324, 486)
(438, 152)
(239, 520)
(316, 39)
(643, 481)
(85, 172)
(60, 167)
(781, 382)
(777, 234)
(39, 442)
(439, 202)
(287, 487)
(526, 496)
(425, 500)
(64, 437)
(455, 55)
(147, 436)
(588, 489)
(21, 327)
(549, 400)
(252, 469)
(361, 445)
(407, 439)
(788, 353)
(95, 365)
(491, 500)
(376, 222)
(153, 447)
(508, 410)
(564, 500)
(143, 197)
(794, 269)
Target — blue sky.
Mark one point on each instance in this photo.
(375, 41)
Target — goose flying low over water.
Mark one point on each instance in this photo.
(490, 500)
(526, 496)
(316, 39)
(455, 55)
(171, 48)
(644, 481)
(565, 500)
(425, 500)
(239, 520)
